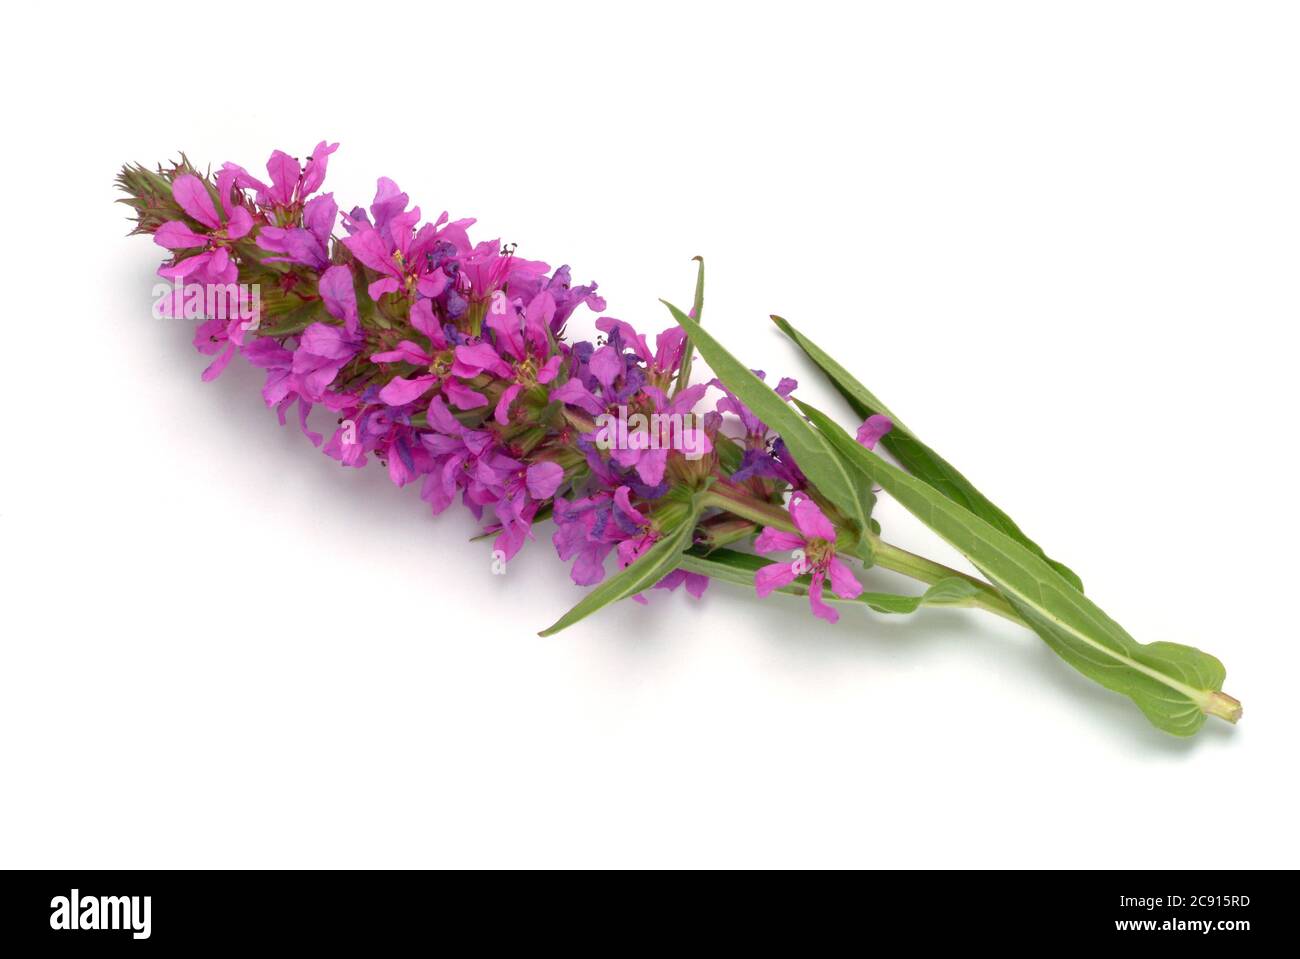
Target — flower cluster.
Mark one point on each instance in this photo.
(448, 362)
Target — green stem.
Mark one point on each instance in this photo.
(724, 496)
(888, 556)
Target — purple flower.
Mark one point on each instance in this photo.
(696, 583)
(870, 432)
(402, 390)
(309, 244)
(232, 223)
(290, 184)
(324, 349)
(815, 542)
(392, 247)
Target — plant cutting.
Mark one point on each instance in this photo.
(449, 362)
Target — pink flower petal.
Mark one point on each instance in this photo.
(406, 352)
(193, 197)
(462, 397)
(424, 320)
(843, 583)
(575, 394)
(185, 267)
(550, 369)
(284, 171)
(475, 358)
(339, 295)
(650, 467)
(623, 500)
(819, 607)
(440, 418)
(380, 287)
(870, 432)
(241, 221)
(777, 541)
(773, 577)
(543, 479)
(809, 518)
(502, 414)
(219, 364)
(402, 391)
(175, 235)
(606, 365)
(696, 584)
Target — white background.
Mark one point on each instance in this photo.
(1060, 239)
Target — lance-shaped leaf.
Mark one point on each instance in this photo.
(688, 348)
(915, 457)
(731, 566)
(1175, 686)
(646, 570)
(812, 452)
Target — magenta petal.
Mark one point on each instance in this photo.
(185, 267)
(543, 479)
(406, 352)
(672, 580)
(339, 296)
(819, 607)
(189, 191)
(304, 408)
(402, 391)
(380, 287)
(696, 584)
(284, 171)
(809, 518)
(326, 341)
(843, 583)
(424, 320)
(241, 221)
(773, 577)
(462, 397)
(575, 394)
(432, 284)
(314, 175)
(606, 365)
(369, 247)
(588, 568)
(623, 500)
(550, 369)
(629, 336)
(650, 467)
(219, 364)
(175, 235)
(481, 356)
(870, 432)
(777, 541)
(440, 418)
(502, 414)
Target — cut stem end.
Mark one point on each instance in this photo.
(1223, 706)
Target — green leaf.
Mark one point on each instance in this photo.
(734, 567)
(813, 454)
(915, 457)
(650, 567)
(688, 348)
(1174, 686)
